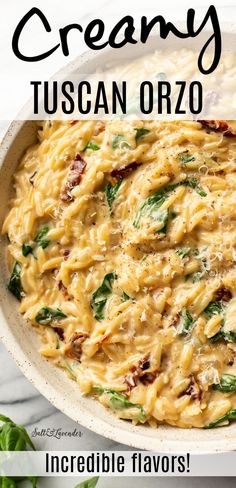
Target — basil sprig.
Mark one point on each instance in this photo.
(15, 285)
(111, 192)
(230, 415)
(227, 383)
(100, 296)
(46, 315)
(117, 401)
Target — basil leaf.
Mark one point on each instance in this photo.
(40, 237)
(13, 437)
(26, 249)
(186, 322)
(91, 483)
(140, 133)
(46, 315)
(214, 308)
(33, 481)
(111, 191)
(119, 142)
(6, 482)
(183, 252)
(100, 296)
(186, 158)
(117, 401)
(92, 146)
(14, 285)
(227, 384)
(231, 415)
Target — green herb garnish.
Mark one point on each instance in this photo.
(40, 237)
(111, 192)
(140, 133)
(100, 296)
(186, 322)
(119, 142)
(230, 415)
(92, 146)
(14, 437)
(26, 249)
(15, 285)
(118, 401)
(46, 315)
(227, 383)
(125, 297)
(214, 308)
(186, 158)
(183, 252)
(91, 483)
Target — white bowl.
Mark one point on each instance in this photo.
(21, 339)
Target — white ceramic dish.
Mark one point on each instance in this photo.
(22, 342)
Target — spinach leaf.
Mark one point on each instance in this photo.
(119, 142)
(111, 191)
(100, 296)
(186, 322)
(214, 308)
(186, 158)
(40, 237)
(230, 415)
(26, 249)
(91, 483)
(140, 133)
(193, 183)
(150, 207)
(46, 315)
(227, 383)
(14, 285)
(156, 200)
(223, 336)
(125, 297)
(117, 401)
(197, 276)
(183, 252)
(92, 146)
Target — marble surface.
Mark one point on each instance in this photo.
(18, 398)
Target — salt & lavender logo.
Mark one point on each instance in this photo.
(57, 433)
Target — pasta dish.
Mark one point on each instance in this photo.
(122, 251)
